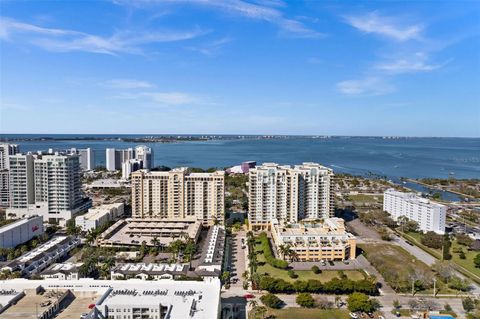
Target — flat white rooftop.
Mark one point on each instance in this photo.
(17, 223)
(187, 299)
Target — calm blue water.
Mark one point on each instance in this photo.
(394, 158)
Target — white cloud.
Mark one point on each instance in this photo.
(385, 26)
(416, 63)
(172, 98)
(127, 84)
(163, 98)
(60, 40)
(366, 86)
(211, 48)
(262, 10)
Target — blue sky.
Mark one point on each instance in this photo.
(244, 67)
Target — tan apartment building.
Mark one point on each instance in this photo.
(179, 194)
(326, 240)
(283, 194)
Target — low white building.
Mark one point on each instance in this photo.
(36, 260)
(148, 271)
(20, 231)
(429, 215)
(121, 299)
(99, 216)
(63, 271)
(213, 250)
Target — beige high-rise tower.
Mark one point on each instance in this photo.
(179, 194)
(282, 194)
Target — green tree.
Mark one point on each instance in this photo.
(271, 301)
(305, 300)
(468, 304)
(476, 261)
(361, 302)
(316, 270)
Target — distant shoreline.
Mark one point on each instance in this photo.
(173, 138)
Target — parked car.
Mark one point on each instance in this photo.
(353, 315)
(249, 296)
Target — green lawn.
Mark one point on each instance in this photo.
(365, 198)
(324, 276)
(289, 313)
(465, 263)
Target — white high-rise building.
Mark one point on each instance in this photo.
(144, 154)
(46, 184)
(429, 215)
(178, 194)
(131, 166)
(282, 194)
(115, 158)
(5, 151)
(87, 158)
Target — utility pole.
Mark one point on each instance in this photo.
(434, 286)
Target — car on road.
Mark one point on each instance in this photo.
(248, 296)
(409, 243)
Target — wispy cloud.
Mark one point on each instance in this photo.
(127, 84)
(416, 63)
(385, 26)
(172, 98)
(367, 86)
(267, 10)
(64, 40)
(164, 98)
(211, 48)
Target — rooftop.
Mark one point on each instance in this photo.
(18, 223)
(185, 299)
(96, 212)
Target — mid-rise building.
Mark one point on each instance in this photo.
(179, 194)
(326, 240)
(99, 216)
(21, 231)
(87, 158)
(46, 184)
(5, 151)
(282, 194)
(430, 216)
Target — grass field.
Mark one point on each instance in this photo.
(366, 198)
(397, 265)
(289, 313)
(466, 263)
(302, 274)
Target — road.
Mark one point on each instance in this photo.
(429, 259)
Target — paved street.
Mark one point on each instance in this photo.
(428, 259)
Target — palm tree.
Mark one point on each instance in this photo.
(90, 237)
(293, 255)
(245, 275)
(253, 303)
(284, 250)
